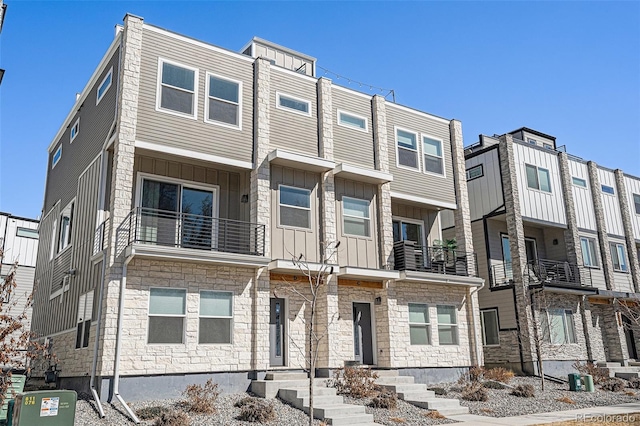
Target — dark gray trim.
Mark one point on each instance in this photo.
(544, 222)
(535, 132)
(517, 314)
(10, 216)
(588, 231)
(482, 151)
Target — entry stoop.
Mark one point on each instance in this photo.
(615, 369)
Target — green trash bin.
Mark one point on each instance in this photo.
(17, 385)
(45, 408)
(575, 383)
(588, 383)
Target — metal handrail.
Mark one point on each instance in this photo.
(558, 272)
(408, 256)
(99, 237)
(501, 274)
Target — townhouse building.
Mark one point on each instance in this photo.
(187, 178)
(557, 240)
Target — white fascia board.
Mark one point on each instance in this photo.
(425, 201)
(291, 159)
(368, 274)
(422, 113)
(247, 165)
(197, 256)
(362, 174)
(431, 278)
(288, 266)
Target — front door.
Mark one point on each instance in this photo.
(630, 338)
(276, 332)
(362, 336)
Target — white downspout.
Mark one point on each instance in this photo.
(94, 363)
(473, 319)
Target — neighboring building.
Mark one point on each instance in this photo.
(188, 176)
(557, 240)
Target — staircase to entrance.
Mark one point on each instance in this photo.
(617, 369)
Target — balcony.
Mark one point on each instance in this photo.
(409, 256)
(544, 272)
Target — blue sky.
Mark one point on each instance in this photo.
(569, 69)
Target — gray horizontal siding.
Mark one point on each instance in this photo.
(182, 132)
(43, 273)
(352, 146)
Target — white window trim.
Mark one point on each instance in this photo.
(607, 193)
(564, 324)
(415, 222)
(633, 202)
(53, 158)
(427, 324)
(576, 185)
(547, 146)
(455, 327)
(444, 168)
(350, 126)
(70, 236)
(54, 239)
(295, 98)
(594, 255)
(72, 135)
(532, 141)
(417, 150)
(481, 166)
(106, 89)
(310, 209)
(624, 259)
(216, 316)
(538, 168)
(484, 337)
(357, 217)
(207, 96)
(184, 322)
(196, 81)
(29, 230)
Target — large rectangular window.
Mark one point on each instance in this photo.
(167, 309)
(216, 317)
(619, 257)
(104, 86)
(432, 151)
(295, 207)
(538, 178)
(490, 329)
(636, 202)
(419, 325)
(447, 325)
(352, 120)
(407, 149)
(66, 225)
(223, 103)
(291, 103)
(589, 256)
(177, 88)
(356, 217)
(559, 328)
(475, 172)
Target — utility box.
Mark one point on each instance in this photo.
(575, 382)
(588, 383)
(45, 408)
(17, 385)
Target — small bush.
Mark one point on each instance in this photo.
(493, 385)
(246, 400)
(201, 399)
(613, 384)
(398, 419)
(524, 391)
(566, 400)
(150, 413)
(173, 418)
(355, 382)
(599, 374)
(439, 391)
(434, 414)
(487, 410)
(475, 393)
(385, 399)
(634, 383)
(499, 375)
(630, 393)
(257, 411)
(474, 375)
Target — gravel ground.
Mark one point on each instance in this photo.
(502, 404)
(405, 413)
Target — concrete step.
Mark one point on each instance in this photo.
(286, 375)
(608, 364)
(416, 395)
(391, 380)
(366, 420)
(336, 410)
(627, 376)
(320, 400)
(633, 363)
(270, 388)
(303, 392)
(386, 373)
(613, 371)
(402, 388)
(434, 403)
(454, 411)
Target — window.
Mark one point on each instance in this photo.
(295, 207)
(27, 233)
(636, 203)
(538, 178)
(75, 129)
(66, 223)
(177, 88)
(475, 172)
(104, 86)
(618, 257)
(608, 189)
(216, 317)
(419, 326)
(85, 306)
(166, 315)
(407, 149)
(352, 120)
(547, 146)
(579, 182)
(432, 151)
(532, 141)
(447, 325)
(293, 104)
(559, 328)
(490, 334)
(223, 103)
(589, 257)
(57, 155)
(356, 217)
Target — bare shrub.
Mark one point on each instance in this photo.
(634, 383)
(630, 393)
(493, 385)
(475, 392)
(499, 374)
(244, 401)
(257, 411)
(524, 391)
(439, 391)
(201, 399)
(150, 413)
(385, 399)
(173, 418)
(474, 375)
(613, 384)
(487, 410)
(434, 414)
(599, 374)
(355, 382)
(566, 400)
(398, 419)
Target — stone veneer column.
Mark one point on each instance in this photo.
(571, 236)
(121, 183)
(601, 224)
(625, 210)
(515, 230)
(381, 151)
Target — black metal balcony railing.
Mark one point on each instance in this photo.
(100, 236)
(409, 256)
(501, 275)
(184, 230)
(556, 272)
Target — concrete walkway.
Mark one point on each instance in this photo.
(556, 416)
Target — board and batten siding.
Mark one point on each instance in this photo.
(22, 250)
(597, 273)
(430, 219)
(357, 251)
(414, 182)
(611, 204)
(175, 131)
(485, 193)
(95, 123)
(536, 204)
(582, 197)
(632, 185)
(287, 242)
(291, 130)
(352, 145)
(24, 279)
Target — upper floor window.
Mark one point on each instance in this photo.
(66, 224)
(589, 256)
(295, 207)
(419, 324)
(224, 101)
(636, 202)
(75, 129)
(475, 172)
(27, 233)
(104, 86)
(547, 146)
(608, 190)
(176, 91)
(579, 182)
(490, 329)
(356, 217)
(559, 328)
(57, 155)
(216, 317)
(352, 120)
(447, 325)
(532, 141)
(407, 149)
(167, 308)
(294, 104)
(618, 257)
(432, 151)
(538, 178)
